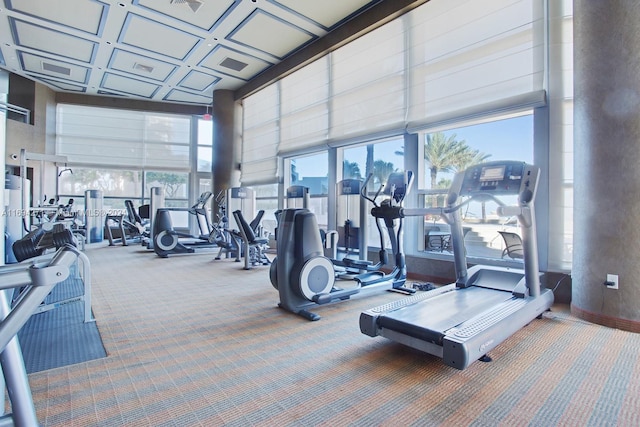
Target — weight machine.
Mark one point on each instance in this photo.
(37, 277)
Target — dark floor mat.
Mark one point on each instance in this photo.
(60, 337)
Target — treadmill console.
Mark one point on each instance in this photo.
(500, 178)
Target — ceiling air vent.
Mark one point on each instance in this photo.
(233, 64)
(56, 69)
(142, 67)
(193, 4)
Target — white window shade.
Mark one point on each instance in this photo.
(368, 83)
(122, 138)
(377, 107)
(304, 129)
(305, 107)
(493, 54)
(260, 137)
(445, 60)
(166, 156)
(259, 159)
(262, 107)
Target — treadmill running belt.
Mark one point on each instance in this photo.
(451, 309)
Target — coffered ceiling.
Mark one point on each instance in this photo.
(175, 51)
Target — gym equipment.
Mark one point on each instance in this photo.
(43, 160)
(93, 216)
(45, 237)
(138, 227)
(254, 246)
(389, 212)
(298, 197)
(128, 224)
(348, 245)
(156, 201)
(166, 240)
(37, 246)
(463, 321)
(241, 198)
(302, 274)
(221, 235)
(37, 281)
(351, 212)
(13, 214)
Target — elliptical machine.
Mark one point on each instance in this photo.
(302, 274)
(166, 240)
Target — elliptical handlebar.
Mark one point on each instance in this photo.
(395, 187)
(363, 191)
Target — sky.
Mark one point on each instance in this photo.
(510, 139)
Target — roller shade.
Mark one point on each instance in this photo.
(494, 54)
(114, 137)
(260, 137)
(445, 61)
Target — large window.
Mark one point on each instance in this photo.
(416, 71)
(312, 172)
(446, 152)
(267, 200)
(205, 144)
(125, 153)
(377, 159)
(116, 186)
(122, 138)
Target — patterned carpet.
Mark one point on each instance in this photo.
(195, 342)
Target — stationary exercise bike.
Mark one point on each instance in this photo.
(302, 274)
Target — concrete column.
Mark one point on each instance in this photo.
(606, 238)
(226, 142)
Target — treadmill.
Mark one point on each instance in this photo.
(463, 321)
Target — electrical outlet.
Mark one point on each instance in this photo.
(612, 281)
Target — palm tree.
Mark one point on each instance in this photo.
(442, 153)
(469, 158)
(351, 170)
(382, 170)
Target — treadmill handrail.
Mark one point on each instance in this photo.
(447, 210)
(524, 211)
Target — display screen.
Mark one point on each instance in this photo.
(492, 173)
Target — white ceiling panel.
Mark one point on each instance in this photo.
(65, 86)
(83, 15)
(43, 66)
(181, 96)
(326, 13)
(156, 37)
(128, 85)
(198, 81)
(176, 51)
(269, 34)
(229, 61)
(52, 42)
(200, 13)
(141, 65)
